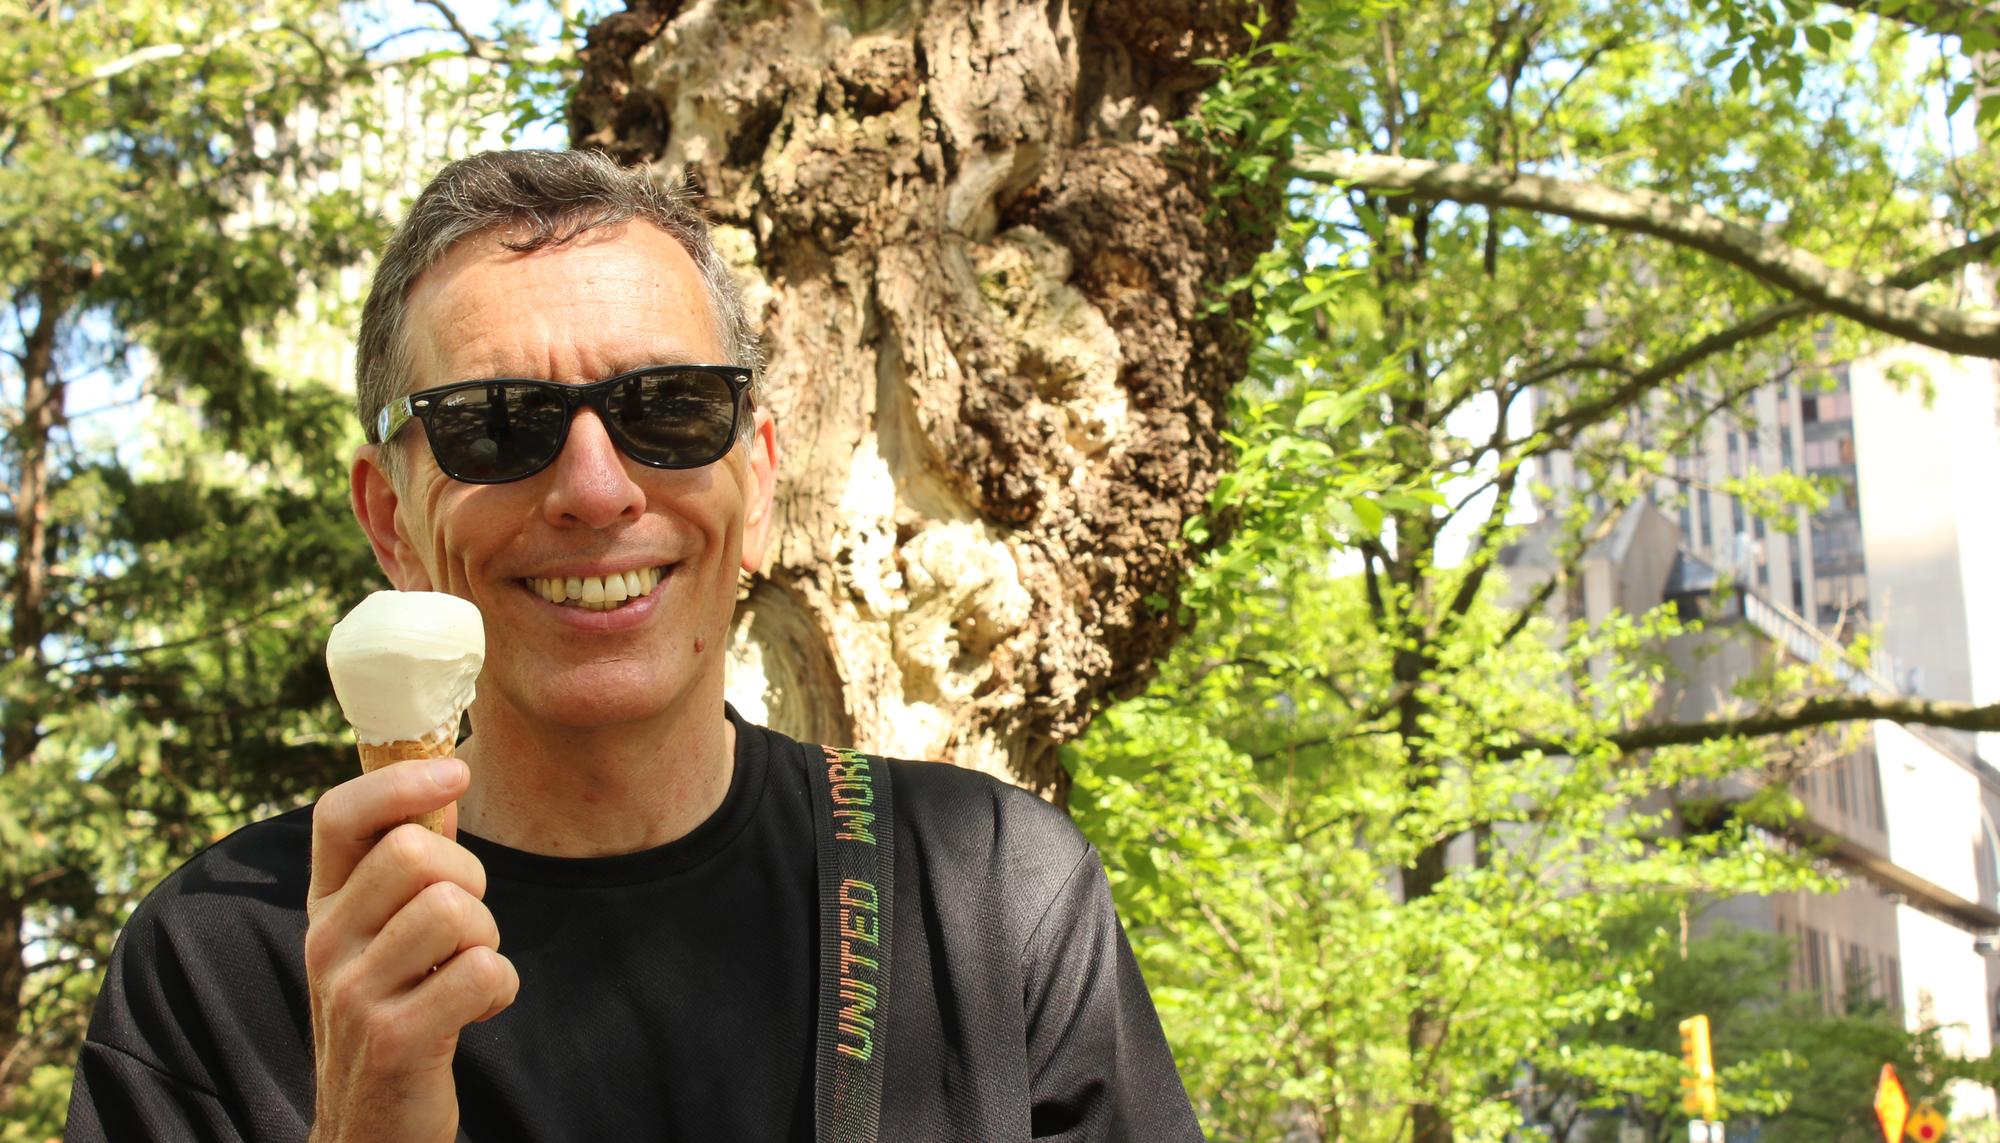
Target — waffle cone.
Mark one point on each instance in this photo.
(439, 743)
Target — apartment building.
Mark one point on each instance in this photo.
(1905, 552)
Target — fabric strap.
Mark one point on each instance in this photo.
(857, 862)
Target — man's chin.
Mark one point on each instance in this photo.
(582, 699)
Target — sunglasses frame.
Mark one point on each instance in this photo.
(420, 405)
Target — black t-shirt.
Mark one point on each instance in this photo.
(669, 994)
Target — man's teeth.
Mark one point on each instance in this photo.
(595, 592)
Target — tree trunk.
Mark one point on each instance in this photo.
(13, 989)
(983, 268)
(41, 402)
(41, 406)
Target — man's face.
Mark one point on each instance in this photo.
(613, 300)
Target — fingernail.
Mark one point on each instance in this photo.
(447, 772)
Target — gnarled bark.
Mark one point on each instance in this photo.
(983, 268)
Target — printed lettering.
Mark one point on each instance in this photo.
(860, 1008)
(849, 958)
(853, 794)
(852, 785)
(864, 1051)
(860, 926)
(853, 825)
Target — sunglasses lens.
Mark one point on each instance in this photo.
(673, 418)
(497, 432)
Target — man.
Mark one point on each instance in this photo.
(615, 937)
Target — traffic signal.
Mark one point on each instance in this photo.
(1698, 1076)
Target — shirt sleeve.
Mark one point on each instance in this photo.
(1099, 1064)
(118, 1096)
(201, 1030)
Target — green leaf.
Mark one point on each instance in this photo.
(1330, 410)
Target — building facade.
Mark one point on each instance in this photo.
(1905, 552)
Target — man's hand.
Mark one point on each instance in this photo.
(401, 953)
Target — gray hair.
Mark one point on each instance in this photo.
(553, 196)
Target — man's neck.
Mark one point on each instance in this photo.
(593, 792)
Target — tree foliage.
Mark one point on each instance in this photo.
(1395, 815)
(1793, 1065)
(180, 186)
(1251, 862)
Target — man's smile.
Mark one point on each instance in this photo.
(606, 592)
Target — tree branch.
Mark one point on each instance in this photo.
(1370, 552)
(1939, 17)
(1797, 715)
(148, 54)
(1617, 40)
(1878, 305)
(474, 46)
(1563, 427)
(1562, 575)
(1485, 549)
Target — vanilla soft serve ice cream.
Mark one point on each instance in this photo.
(403, 666)
(404, 663)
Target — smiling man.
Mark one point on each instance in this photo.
(622, 932)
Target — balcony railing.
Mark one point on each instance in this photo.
(1883, 675)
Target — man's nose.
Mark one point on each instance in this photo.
(591, 485)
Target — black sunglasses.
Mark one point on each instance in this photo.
(510, 428)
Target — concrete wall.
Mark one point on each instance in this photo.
(1943, 985)
(1935, 807)
(1928, 466)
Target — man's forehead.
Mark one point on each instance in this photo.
(611, 299)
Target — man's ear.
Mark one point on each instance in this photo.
(374, 496)
(763, 489)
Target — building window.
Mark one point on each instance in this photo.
(1707, 533)
(1872, 774)
(1831, 452)
(1818, 963)
(1785, 985)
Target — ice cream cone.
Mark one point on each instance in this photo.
(403, 665)
(439, 743)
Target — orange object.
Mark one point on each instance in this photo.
(1698, 1092)
(1926, 1125)
(1892, 1107)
